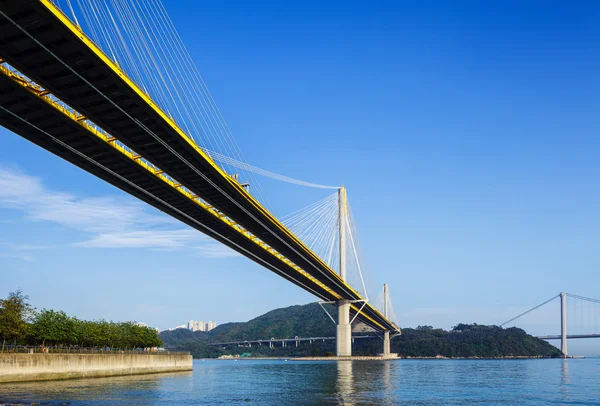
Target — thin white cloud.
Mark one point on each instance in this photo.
(26, 258)
(142, 239)
(217, 251)
(110, 222)
(27, 247)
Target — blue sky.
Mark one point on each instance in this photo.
(465, 132)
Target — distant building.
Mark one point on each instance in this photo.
(196, 325)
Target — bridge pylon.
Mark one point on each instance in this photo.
(343, 336)
(563, 324)
(386, 334)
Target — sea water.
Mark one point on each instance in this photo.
(274, 382)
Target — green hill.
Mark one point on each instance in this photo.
(303, 321)
(464, 340)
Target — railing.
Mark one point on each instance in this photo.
(26, 349)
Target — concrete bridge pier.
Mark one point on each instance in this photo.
(343, 335)
(386, 335)
(386, 344)
(563, 324)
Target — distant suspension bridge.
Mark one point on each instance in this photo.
(583, 311)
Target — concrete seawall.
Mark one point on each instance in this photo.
(42, 367)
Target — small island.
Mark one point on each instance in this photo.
(462, 341)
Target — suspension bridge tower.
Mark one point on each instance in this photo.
(563, 324)
(343, 335)
(386, 334)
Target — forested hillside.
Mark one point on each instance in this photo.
(464, 340)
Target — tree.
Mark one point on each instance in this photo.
(14, 314)
(54, 326)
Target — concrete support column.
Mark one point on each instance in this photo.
(563, 323)
(386, 334)
(386, 344)
(343, 336)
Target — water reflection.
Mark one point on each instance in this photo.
(564, 378)
(387, 377)
(564, 372)
(403, 382)
(345, 382)
(108, 390)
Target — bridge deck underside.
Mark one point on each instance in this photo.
(36, 120)
(42, 46)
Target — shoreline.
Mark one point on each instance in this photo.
(376, 358)
(52, 367)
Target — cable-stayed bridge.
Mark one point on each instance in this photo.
(109, 86)
(581, 316)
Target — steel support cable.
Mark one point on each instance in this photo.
(164, 57)
(316, 221)
(125, 47)
(328, 231)
(138, 38)
(391, 311)
(159, 71)
(146, 79)
(146, 16)
(146, 42)
(190, 87)
(183, 79)
(135, 40)
(242, 165)
(131, 29)
(379, 302)
(315, 226)
(332, 254)
(298, 217)
(311, 235)
(140, 42)
(72, 12)
(210, 109)
(108, 170)
(357, 247)
(303, 229)
(357, 261)
(530, 310)
(583, 298)
(322, 236)
(331, 277)
(103, 33)
(301, 211)
(180, 46)
(299, 221)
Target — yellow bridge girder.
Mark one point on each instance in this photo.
(124, 150)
